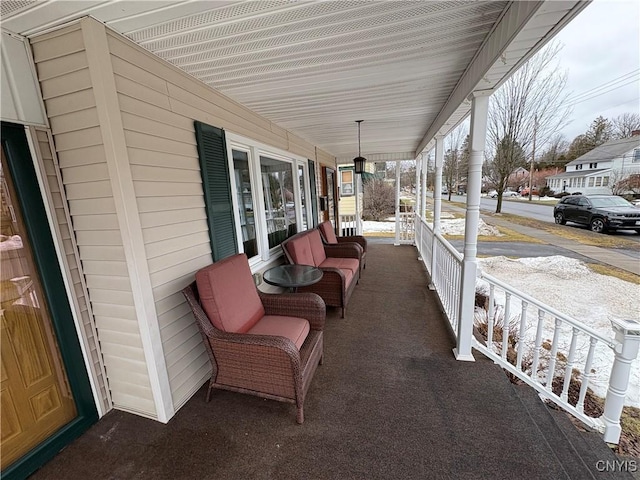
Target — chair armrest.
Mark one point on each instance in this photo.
(343, 250)
(359, 239)
(309, 306)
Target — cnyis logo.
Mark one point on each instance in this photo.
(617, 466)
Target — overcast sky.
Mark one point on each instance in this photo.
(602, 57)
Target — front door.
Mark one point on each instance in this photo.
(330, 192)
(36, 395)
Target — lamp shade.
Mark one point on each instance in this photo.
(359, 164)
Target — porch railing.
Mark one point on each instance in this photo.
(559, 356)
(349, 225)
(407, 227)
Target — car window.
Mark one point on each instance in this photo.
(583, 202)
(612, 201)
(570, 200)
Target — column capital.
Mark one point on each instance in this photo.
(480, 93)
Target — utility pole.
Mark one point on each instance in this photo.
(533, 156)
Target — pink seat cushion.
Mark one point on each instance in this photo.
(293, 328)
(317, 248)
(328, 232)
(300, 251)
(351, 264)
(228, 295)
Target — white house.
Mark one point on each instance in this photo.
(599, 170)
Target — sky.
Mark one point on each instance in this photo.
(601, 55)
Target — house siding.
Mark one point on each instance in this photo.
(55, 192)
(63, 73)
(156, 106)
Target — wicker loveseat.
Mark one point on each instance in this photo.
(260, 344)
(328, 235)
(340, 264)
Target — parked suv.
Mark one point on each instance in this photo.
(601, 213)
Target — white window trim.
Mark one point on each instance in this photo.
(254, 150)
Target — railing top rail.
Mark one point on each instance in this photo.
(450, 248)
(550, 310)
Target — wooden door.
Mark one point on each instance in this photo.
(35, 397)
(329, 190)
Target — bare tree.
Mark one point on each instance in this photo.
(453, 158)
(530, 105)
(379, 199)
(624, 125)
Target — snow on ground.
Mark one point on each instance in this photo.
(568, 286)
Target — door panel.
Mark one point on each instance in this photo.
(35, 396)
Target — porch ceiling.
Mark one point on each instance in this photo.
(404, 67)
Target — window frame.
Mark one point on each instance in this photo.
(255, 150)
(351, 170)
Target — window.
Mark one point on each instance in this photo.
(579, 167)
(636, 155)
(303, 198)
(605, 181)
(346, 182)
(582, 182)
(246, 207)
(279, 199)
(593, 165)
(255, 195)
(598, 181)
(591, 181)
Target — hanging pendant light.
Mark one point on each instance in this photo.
(359, 161)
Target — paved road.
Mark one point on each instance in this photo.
(535, 211)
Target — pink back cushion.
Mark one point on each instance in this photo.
(228, 294)
(300, 251)
(327, 231)
(317, 248)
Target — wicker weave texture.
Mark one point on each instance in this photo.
(264, 365)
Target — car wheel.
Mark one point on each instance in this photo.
(560, 220)
(597, 225)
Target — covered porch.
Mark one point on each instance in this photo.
(389, 401)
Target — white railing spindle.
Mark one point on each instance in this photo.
(586, 374)
(554, 352)
(568, 371)
(521, 336)
(537, 349)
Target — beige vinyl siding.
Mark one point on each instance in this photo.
(63, 71)
(71, 253)
(347, 205)
(159, 105)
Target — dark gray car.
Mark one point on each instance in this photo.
(601, 213)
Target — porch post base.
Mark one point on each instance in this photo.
(463, 357)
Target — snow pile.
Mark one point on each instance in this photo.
(570, 287)
(448, 226)
(456, 227)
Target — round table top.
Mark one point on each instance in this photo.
(292, 276)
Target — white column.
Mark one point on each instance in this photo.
(397, 241)
(356, 191)
(418, 184)
(627, 335)
(437, 204)
(423, 198)
(479, 109)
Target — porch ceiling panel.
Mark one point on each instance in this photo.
(314, 67)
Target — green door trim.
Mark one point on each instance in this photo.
(20, 164)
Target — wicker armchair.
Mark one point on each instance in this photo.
(329, 237)
(340, 264)
(256, 359)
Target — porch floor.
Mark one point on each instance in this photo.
(389, 402)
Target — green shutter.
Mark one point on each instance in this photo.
(314, 193)
(214, 167)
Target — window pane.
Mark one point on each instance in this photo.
(591, 181)
(303, 198)
(279, 199)
(244, 194)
